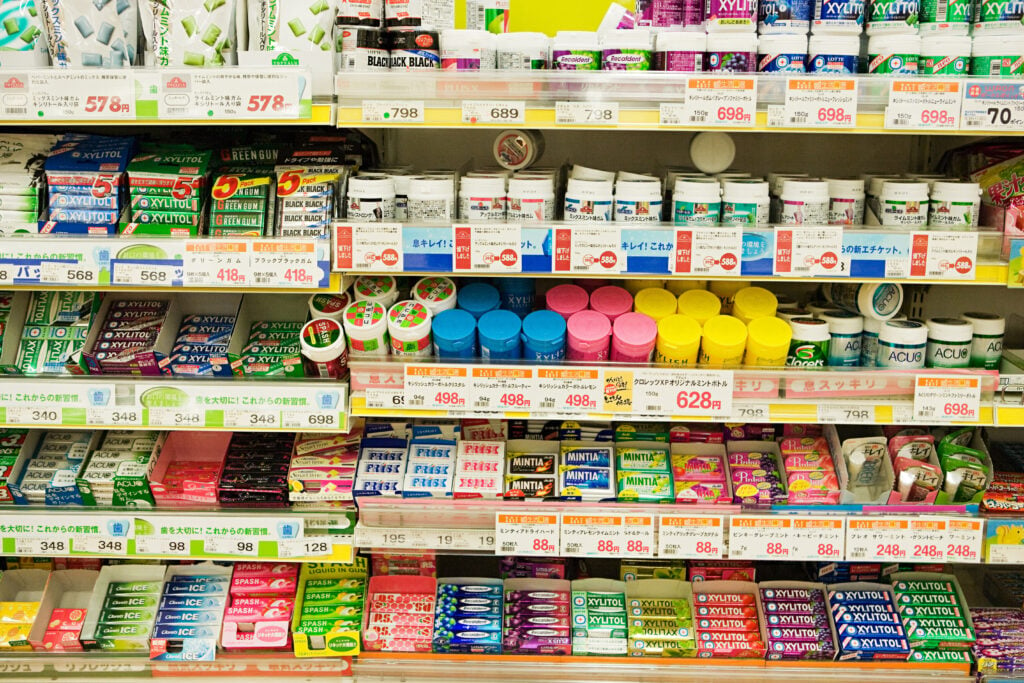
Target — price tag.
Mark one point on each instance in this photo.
(752, 412)
(308, 419)
(175, 417)
(311, 547)
(214, 94)
(434, 387)
(810, 252)
(417, 538)
(8, 271)
(721, 101)
(161, 546)
(707, 251)
(592, 535)
(886, 539)
(589, 249)
(947, 399)
(942, 255)
(67, 273)
(846, 413)
(526, 534)
(254, 418)
(691, 537)
(276, 263)
(924, 104)
(964, 539)
(231, 546)
(773, 537)
(817, 103)
(113, 417)
(27, 415)
(393, 111)
(512, 113)
(993, 105)
(487, 248)
(385, 399)
(638, 536)
(683, 393)
(84, 95)
(569, 390)
(817, 539)
(42, 546)
(216, 263)
(504, 389)
(587, 113)
(388, 537)
(373, 247)
(145, 274)
(101, 545)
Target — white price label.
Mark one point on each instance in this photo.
(310, 419)
(638, 538)
(774, 537)
(587, 113)
(942, 255)
(60, 547)
(254, 418)
(589, 250)
(145, 274)
(373, 247)
(114, 417)
(67, 273)
(175, 417)
(486, 111)
(526, 534)
(419, 539)
(964, 539)
(8, 271)
(888, 539)
(947, 399)
(161, 546)
(719, 101)
(393, 111)
(216, 263)
(487, 248)
(26, 415)
(388, 537)
(592, 535)
(810, 252)
(311, 547)
(100, 545)
(569, 390)
(993, 105)
(385, 399)
(84, 94)
(846, 413)
(504, 389)
(683, 393)
(275, 263)
(707, 251)
(214, 94)
(924, 104)
(245, 547)
(691, 537)
(752, 412)
(429, 387)
(817, 103)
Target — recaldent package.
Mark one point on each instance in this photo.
(21, 25)
(92, 33)
(189, 32)
(291, 24)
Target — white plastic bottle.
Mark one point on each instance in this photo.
(902, 344)
(370, 199)
(531, 199)
(696, 201)
(745, 202)
(845, 201)
(804, 202)
(482, 198)
(904, 204)
(431, 199)
(638, 200)
(987, 342)
(949, 343)
(588, 200)
(954, 205)
(846, 330)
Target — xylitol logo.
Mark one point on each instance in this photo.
(895, 10)
(849, 11)
(1005, 10)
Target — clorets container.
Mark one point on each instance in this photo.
(588, 200)
(730, 15)
(655, 303)
(628, 50)
(723, 342)
(699, 304)
(680, 51)
(804, 202)
(329, 305)
(998, 55)
(544, 336)
(482, 198)
(810, 343)
(784, 16)
(633, 338)
(566, 300)
(837, 18)
(576, 51)
(768, 341)
(987, 342)
(678, 341)
(782, 53)
(366, 326)
(611, 301)
(847, 332)
(380, 288)
(944, 55)
(522, 51)
(902, 344)
(638, 201)
(954, 205)
(409, 325)
(431, 199)
(477, 298)
(696, 201)
(845, 201)
(731, 52)
(467, 50)
(531, 199)
(881, 301)
(500, 334)
(903, 203)
(752, 303)
(745, 202)
(892, 17)
(322, 342)
(894, 54)
(436, 293)
(949, 343)
(370, 199)
(588, 336)
(833, 54)
(454, 333)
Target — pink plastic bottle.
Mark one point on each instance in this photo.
(633, 338)
(566, 300)
(589, 334)
(611, 301)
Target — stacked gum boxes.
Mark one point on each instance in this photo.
(262, 599)
(727, 620)
(797, 621)
(272, 350)
(381, 468)
(1000, 642)
(468, 616)
(867, 622)
(127, 336)
(329, 613)
(255, 470)
(201, 347)
(21, 166)
(642, 472)
(810, 472)
(531, 469)
(128, 615)
(429, 469)
(586, 471)
(307, 197)
(478, 469)
(400, 614)
(85, 175)
(599, 617)
(167, 187)
(49, 474)
(756, 477)
(538, 617)
(190, 614)
(700, 475)
(118, 472)
(56, 326)
(660, 626)
(242, 203)
(11, 442)
(934, 613)
(323, 467)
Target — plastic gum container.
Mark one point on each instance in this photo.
(678, 341)
(724, 341)
(699, 304)
(655, 303)
(767, 342)
(566, 300)
(611, 301)
(588, 336)
(633, 338)
(500, 334)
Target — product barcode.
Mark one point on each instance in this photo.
(940, 11)
(508, 547)
(261, 280)
(177, 111)
(856, 554)
(798, 118)
(416, 401)
(654, 408)
(547, 403)
(483, 402)
(698, 118)
(700, 269)
(572, 548)
(973, 123)
(899, 123)
(14, 111)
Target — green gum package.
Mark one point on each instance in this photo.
(192, 33)
(299, 25)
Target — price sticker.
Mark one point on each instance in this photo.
(886, 539)
(27, 415)
(246, 547)
(816, 103)
(947, 399)
(511, 113)
(42, 546)
(638, 538)
(430, 387)
(941, 255)
(964, 539)
(487, 248)
(277, 263)
(84, 95)
(161, 546)
(810, 252)
(101, 545)
(67, 273)
(589, 250)
(689, 394)
(707, 251)
(145, 274)
(387, 537)
(504, 389)
(773, 537)
(592, 535)
(817, 539)
(215, 263)
(308, 419)
(254, 418)
(752, 412)
(393, 111)
(368, 247)
(691, 537)
(385, 398)
(311, 547)
(924, 104)
(993, 105)
(113, 417)
(846, 413)
(215, 94)
(526, 534)
(569, 390)
(716, 101)
(587, 113)
(175, 417)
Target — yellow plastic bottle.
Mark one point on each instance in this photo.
(768, 342)
(699, 304)
(726, 291)
(677, 287)
(635, 286)
(678, 341)
(655, 303)
(751, 303)
(723, 342)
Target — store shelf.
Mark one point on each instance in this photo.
(95, 666)
(180, 403)
(178, 533)
(572, 250)
(637, 101)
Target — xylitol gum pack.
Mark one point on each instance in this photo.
(931, 626)
(272, 350)
(201, 347)
(291, 24)
(92, 33)
(192, 33)
(166, 187)
(85, 175)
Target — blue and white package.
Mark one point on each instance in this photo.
(191, 612)
(783, 16)
(864, 616)
(838, 16)
(585, 482)
(381, 467)
(782, 53)
(587, 456)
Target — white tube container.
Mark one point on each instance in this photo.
(847, 330)
(894, 54)
(904, 204)
(436, 293)
(370, 199)
(902, 344)
(804, 202)
(872, 191)
(731, 53)
(954, 205)
(576, 51)
(531, 200)
(588, 200)
(833, 54)
(949, 343)
(696, 201)
(945, 55)
(431, 199)
(680, 51)
(366, 327)
(845, 201)
(987, 342)
(626, 50)
(881, 300)
(638, 200)
(382, 289)
(482, 198)
(409, 324)
(782, 53)
(745, 202)
(522, 51)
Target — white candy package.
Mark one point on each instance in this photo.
(197, 33)
(92, 33)
(301, 25)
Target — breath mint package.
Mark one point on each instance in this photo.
(92, 33)
(291, 24)
(20, 25)
(195, 33)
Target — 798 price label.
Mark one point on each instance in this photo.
(393, 111)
